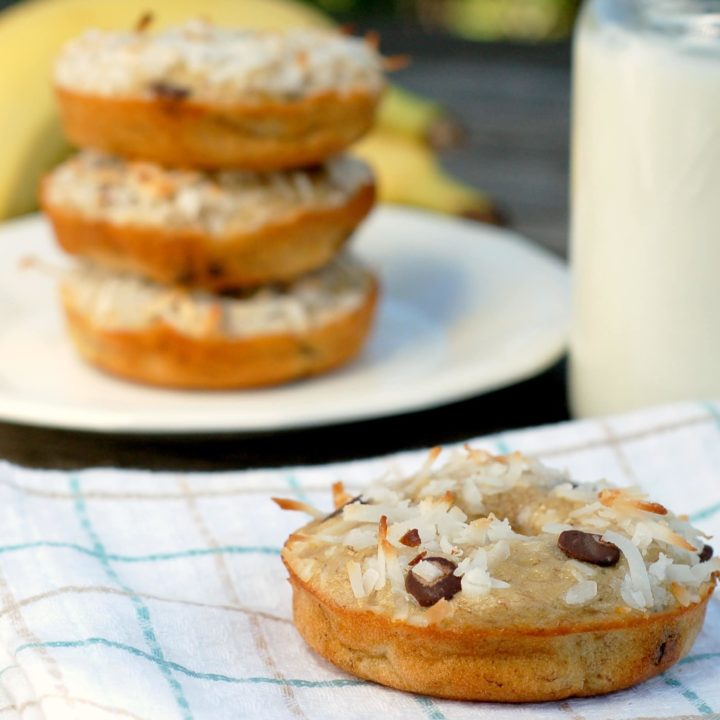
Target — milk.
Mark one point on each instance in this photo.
(645, 226)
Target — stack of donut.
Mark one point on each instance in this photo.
(211, 200)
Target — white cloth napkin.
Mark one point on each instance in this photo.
(158, 596)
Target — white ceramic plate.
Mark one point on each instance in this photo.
(465, 309)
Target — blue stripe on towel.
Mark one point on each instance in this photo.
(141, 610)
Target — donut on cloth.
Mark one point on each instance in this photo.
(495, 578)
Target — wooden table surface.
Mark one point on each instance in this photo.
(513, 100)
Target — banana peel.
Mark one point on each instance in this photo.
(409, 173)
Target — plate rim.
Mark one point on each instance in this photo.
(100, 422)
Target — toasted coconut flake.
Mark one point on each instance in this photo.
(359, 538)
(417, 558)
(370, 580)
(664, 533)
(383, 541)
(651, 507)
(681, 594)
(395, 574)
(433, 455)
(681, 573)
(479, 456)
(381, 559)
(439, 611)
(382, 528)
(581, 592)
(291, 504)
(608, 496)
(354, 572)
(625, 501)
(428, 571)
(356, 512)
(340, 497)
(638, 572)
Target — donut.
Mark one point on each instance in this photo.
(175, 337)
(217, 230)
(496, 578)
(202, 96)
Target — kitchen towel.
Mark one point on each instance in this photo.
(161, 596)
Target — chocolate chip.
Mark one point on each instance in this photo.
(445, 586)
(167, 91)
(706, 553)
(335, 513)
(588, 547)
(307, 350)
(411, 538)
(215, 270)
(666, 649)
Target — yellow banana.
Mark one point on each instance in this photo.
(407, 113)
(34, 30)
(410, 173)
(31, 34)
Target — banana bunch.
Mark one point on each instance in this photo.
(32, 32)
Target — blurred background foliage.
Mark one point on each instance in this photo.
(488, 20)
(515, 20)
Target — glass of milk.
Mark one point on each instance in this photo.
(645, 204)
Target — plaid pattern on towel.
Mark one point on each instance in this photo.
(159, 596)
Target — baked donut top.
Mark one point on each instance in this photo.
(199, 61)
(123, 192)
(121, 301)
(500, 541)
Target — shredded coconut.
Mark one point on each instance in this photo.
(582, 592)
(221, 65)
(638, 578)
(119, 300)
(506, 554)
(221, 204)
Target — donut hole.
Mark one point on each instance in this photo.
(528, 509)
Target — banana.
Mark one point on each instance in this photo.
(407, 113)
(30, 137)
(34, 31)
(409, 173)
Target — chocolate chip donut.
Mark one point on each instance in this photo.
(215, 231)
(173, 337)
(496, 578)
(207, 97)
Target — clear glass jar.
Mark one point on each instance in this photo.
(645, 204)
